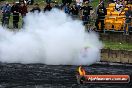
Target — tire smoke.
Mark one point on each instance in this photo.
(50, 38)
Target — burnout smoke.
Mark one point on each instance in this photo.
(50, 38)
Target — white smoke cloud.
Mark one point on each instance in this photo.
(50, 38)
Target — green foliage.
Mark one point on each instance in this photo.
(117, 45)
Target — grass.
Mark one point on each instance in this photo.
(117, 45)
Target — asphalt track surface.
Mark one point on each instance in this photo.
(56, 76)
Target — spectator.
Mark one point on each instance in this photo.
(48, 7)
(15, 10)
(36, 9)
(6, 11)
(74, 11)
(79, 3)
(128, 20)
(22, 1)
(66, 1)
(101, 12)
(67, 8)
(63, 3)
(118, 6)
(23, 11)
(86, 12)
(56, 5)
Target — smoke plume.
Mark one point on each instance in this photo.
(50, 38)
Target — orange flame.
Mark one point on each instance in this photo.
(81, 71)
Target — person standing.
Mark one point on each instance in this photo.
(22, 1)
(79, 3)
(48, 7)
(74, 11)
(23, 11)
(6, 11)
(36, 9)
(56, 5)
(101, 12)
(118, 6)
(64, 2)
(86, 12)
(67, 8)
(128, 21)
(15, 10)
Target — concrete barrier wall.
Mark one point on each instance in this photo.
(122, 56)
(116, 37)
